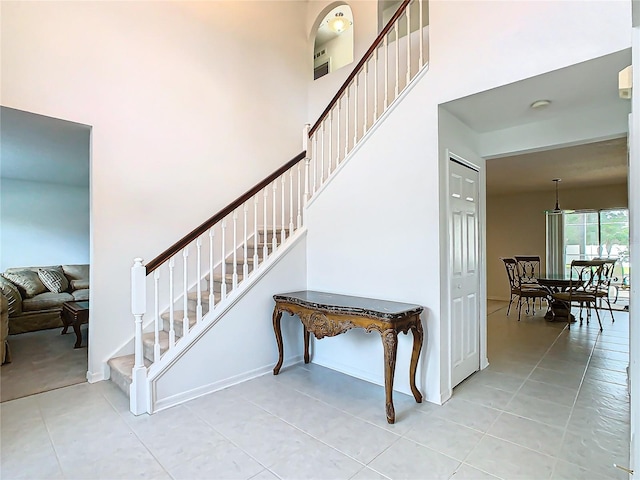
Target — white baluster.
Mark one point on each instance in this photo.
(198, 279)
(265, 240)
(307, 162)
(212, 295)
(274, 227)
(283, 232)
(386, 71)
(315, 161)
(395, 26)
(291, 201)
(234, 246)
(346, 124)
(185, 299)
(172, 331)
(366, 97)
(156, 340)
(245, 265)
(322, 153)
(408, 10)
(306, 145)
(329, 158)
(375, 85)
(299, 196)
(255, 232)
(223, 262)
(421, 34)
(338, 132)
(355, 112)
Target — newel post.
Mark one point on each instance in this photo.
(306, 146)
(138, 388)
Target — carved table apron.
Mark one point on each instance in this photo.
(328, 315)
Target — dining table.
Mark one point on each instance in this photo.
(555, 283)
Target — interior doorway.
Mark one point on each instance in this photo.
(45, 224)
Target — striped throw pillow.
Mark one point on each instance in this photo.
(54, 280)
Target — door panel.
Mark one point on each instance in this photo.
(463, 243)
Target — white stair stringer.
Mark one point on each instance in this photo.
(143, 393)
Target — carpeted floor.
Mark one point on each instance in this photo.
(42, 361)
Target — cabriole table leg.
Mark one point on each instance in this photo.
(390, 343)
(415, 354)
(277, 315)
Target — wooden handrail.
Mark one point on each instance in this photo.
(195, 233)
(356, 70)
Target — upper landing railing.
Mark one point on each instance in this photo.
(199, 271)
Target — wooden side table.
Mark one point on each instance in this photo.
(327, 315)
(75, 314)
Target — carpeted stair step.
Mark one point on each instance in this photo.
(270, 232)
(178, 316)
(148, 341)
(121, 368)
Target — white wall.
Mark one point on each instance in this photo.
(191, 104)
(242, 344)
(43, 224)
(374, 231)
(340, 50)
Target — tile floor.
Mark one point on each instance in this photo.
(553, 404)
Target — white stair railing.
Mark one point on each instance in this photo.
(219, 270)
(370, 90)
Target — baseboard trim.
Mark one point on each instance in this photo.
(182, 397)
(94, 377)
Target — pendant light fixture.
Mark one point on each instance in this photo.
(339, 23)
(557, 210)
(557, 207)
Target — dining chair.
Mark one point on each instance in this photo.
(607, 277)
(584, 284)
(529, 268)
(520, 290)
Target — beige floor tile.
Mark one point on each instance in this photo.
(409, 460)
(528, 433)
(507, 460)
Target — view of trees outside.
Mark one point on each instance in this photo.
(603, 233)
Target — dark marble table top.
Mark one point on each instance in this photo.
(351, 305)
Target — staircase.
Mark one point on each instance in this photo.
(189, 288)
(122, 366)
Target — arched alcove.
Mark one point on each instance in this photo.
(333, 44)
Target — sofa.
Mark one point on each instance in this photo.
(5, 354)
(35, 294)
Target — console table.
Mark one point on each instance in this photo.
(328, 315)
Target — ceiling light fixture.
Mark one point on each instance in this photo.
(540, 104)
(339, 23)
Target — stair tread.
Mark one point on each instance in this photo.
(125, 363)
(204, 295)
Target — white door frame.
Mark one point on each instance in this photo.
(634, 247)
(482, 269)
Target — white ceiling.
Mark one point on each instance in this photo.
(585, 89)
(36, 148)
